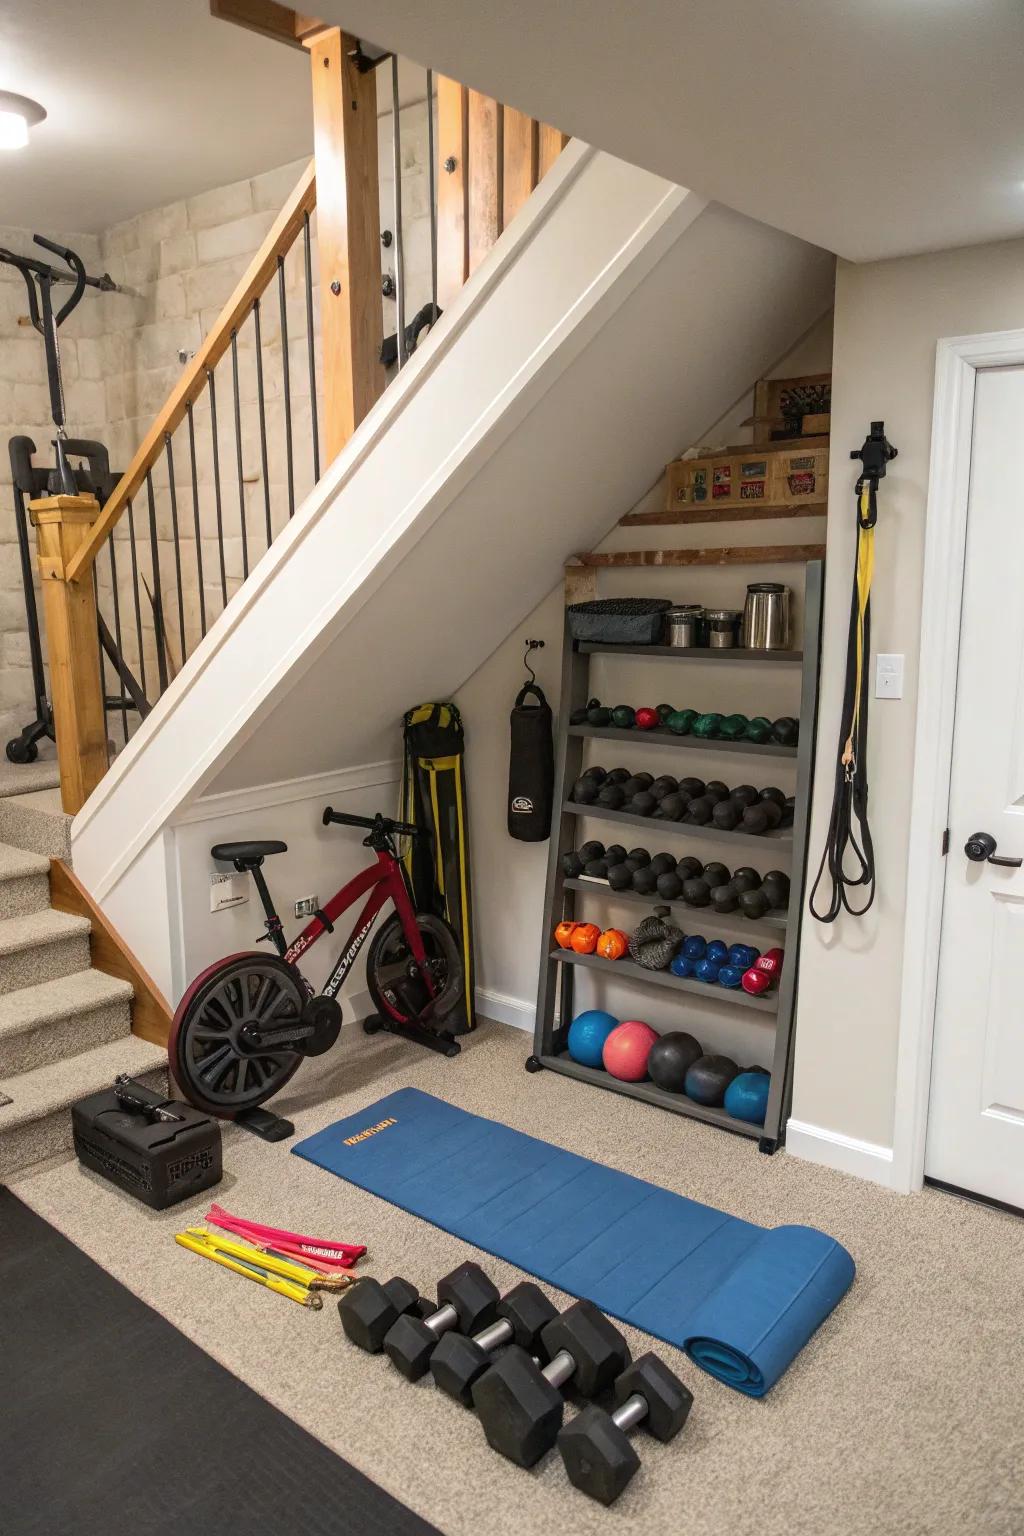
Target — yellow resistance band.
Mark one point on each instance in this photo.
(865, 576)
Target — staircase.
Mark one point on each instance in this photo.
(65, 1028)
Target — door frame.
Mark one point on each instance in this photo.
(957, 362)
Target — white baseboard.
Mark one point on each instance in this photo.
(831, 1149)
(505, 1010)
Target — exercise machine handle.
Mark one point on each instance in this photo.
(77, 265)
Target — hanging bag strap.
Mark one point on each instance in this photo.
(538, 693)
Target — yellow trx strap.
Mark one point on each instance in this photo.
(865, 576)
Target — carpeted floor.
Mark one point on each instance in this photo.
(901, 1418)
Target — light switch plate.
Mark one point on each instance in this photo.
(888, 676)
(227, 891)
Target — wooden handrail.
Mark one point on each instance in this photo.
(261, 269)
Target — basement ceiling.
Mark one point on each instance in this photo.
(870, 127)
(147, 101)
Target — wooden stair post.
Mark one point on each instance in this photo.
(348, 234)
(63, 524)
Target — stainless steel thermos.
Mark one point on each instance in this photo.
(766, 617)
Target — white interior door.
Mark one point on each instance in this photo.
(976, 1112)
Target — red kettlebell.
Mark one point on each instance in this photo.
(647, 719)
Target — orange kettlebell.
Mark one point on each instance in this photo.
(584, 940)
(612, 944)
(564, 933)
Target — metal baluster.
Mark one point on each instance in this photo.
(263, 420)
(238, 455)
(195, 519)
(216, 486)
(432, 191)
(311, 348)
(117, 635)
(287, 385)
(177, 543)
(158, 594)
(135, 592)
(103, 663)
(396, 146)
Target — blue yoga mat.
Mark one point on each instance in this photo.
(741, 1300)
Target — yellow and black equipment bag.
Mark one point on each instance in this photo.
(434, 796)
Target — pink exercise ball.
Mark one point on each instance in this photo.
(626, 1050)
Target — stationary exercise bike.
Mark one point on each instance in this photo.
(247, 1022)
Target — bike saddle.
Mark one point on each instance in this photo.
(246, 855)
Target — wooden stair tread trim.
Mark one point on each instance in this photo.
(757, 450)
(700, 512)
(151, 1012)
(758, 554)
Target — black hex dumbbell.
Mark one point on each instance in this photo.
(467, 1300)
(520, 1403)
(458, 1362)
(598, 1456)
(368, 1309)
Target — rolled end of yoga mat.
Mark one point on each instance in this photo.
(759, 1318)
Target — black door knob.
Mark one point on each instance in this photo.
(980, 848)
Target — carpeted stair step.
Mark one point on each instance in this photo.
(62, 1018)
(41, 946)
(36, 821)
(24, 881)
(36, 1124)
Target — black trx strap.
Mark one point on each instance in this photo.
(848, 829)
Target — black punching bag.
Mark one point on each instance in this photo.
(531, 767)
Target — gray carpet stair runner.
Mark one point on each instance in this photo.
(65, 1029)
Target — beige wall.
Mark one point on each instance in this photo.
(889, 316)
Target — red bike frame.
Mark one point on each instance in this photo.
(384, 881)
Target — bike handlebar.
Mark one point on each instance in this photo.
(371, 823)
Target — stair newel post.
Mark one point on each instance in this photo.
(63, 524)
(348, 234)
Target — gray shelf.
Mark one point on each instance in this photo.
(559, 973)
(688, 652)
(776, 919)
(628, 969)
(685, 828)
(664, 738)
(650, 1093)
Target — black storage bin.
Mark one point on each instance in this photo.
(619, 620)
(158, 1161)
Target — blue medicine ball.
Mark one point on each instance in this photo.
(707, 970)
(718, 952)
(682, 965)
(746, 1097)
(730, 975)
(695, 946)
(743, 955)
(587, 1035)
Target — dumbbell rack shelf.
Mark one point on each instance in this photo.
(670, 739)
(560, 967)
(629, 969)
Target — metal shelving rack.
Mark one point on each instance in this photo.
(559, 967)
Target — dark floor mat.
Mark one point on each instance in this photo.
(112, 1423)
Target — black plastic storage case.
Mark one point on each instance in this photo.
(158, 1161)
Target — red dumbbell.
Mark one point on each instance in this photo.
(770, 961)
(755, 982)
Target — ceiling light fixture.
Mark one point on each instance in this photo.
(17, 115)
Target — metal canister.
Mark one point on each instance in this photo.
(766, 617)
(722, 626)
(682, 624)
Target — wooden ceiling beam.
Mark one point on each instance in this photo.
(281, 23)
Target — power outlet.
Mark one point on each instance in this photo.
(889, 676)
(306, 906)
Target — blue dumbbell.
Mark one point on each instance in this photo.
(695, 947)
(718, 952)
(682, 965)
(743, 955)
(731, 975)
(707, 970)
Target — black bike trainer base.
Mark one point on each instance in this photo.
(113, 1423)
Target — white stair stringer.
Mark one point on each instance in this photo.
(615, 319)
